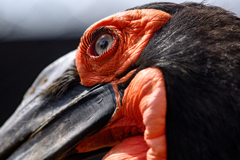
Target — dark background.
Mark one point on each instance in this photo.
(30, 41)
(21, 62)
(34, 33)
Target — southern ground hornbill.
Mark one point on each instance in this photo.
(158, 81)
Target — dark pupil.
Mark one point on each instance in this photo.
(103, 44)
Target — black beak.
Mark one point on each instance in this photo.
(47, 127)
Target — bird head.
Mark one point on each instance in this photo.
(157, 81)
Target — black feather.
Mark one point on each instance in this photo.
(69, 78)
(198, 51)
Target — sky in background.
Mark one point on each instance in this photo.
(58, 19)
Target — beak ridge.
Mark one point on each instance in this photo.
(48, 127)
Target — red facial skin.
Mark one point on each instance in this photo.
(137, 129)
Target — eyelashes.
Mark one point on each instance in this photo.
(88, 40)
(100, 30)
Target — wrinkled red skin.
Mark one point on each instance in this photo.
(137, 129)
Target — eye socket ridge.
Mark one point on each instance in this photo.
(100, 30)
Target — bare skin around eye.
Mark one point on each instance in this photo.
(134, 29)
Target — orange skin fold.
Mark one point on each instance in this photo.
(137, 129)
(134, 28)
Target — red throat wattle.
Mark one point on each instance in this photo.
(132, 132)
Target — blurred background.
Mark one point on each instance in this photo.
(33, 33)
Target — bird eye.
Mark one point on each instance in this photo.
(103, 43)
